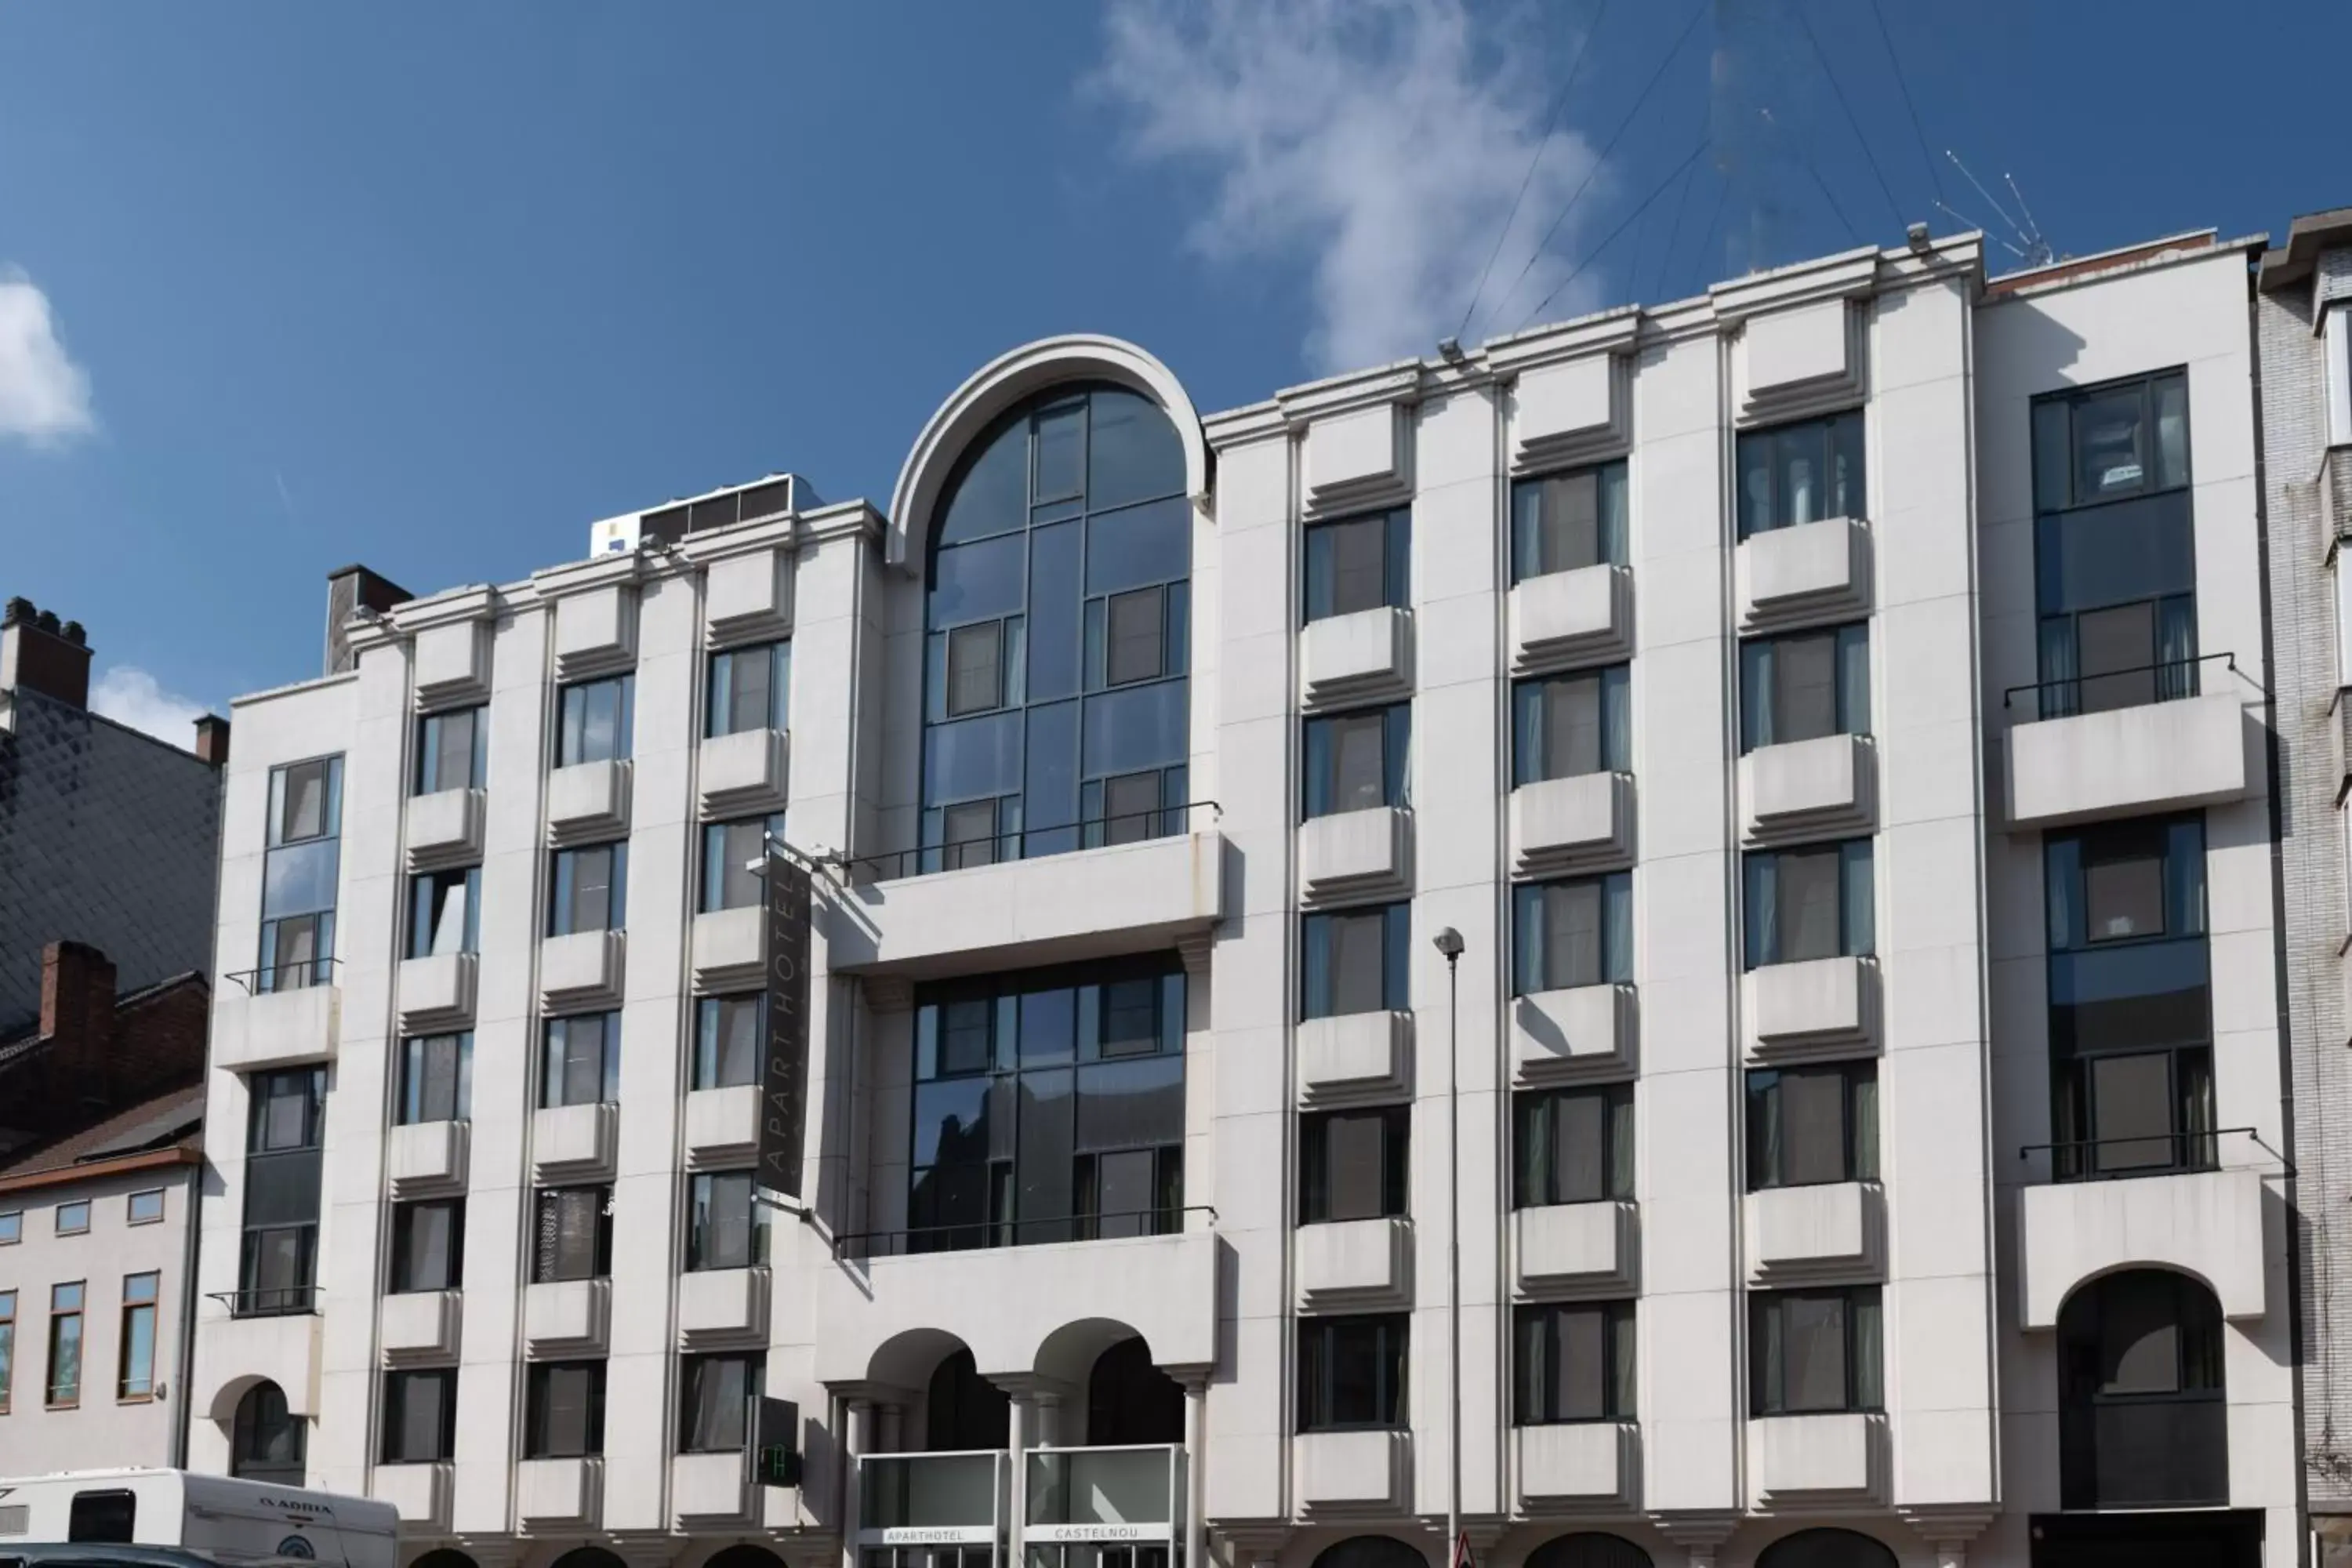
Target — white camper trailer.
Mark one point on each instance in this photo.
(215, 1517)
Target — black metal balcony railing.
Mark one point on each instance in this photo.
(295, 976)
(269, 1301)
(2142, 1154)
(2167, 681)
(1028, 843)
(975, 1235)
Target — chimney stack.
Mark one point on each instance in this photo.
(212, 740)
(37, 654)
(78, 1013)
(350, 590)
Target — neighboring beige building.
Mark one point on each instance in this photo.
(1830, 712)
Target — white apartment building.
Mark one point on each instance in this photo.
(1829, 712)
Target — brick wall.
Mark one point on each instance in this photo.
(94, 1057)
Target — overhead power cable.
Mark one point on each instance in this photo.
(1594, 254)
(1855, 125)
(1821, 185)
(1706, 239)
(1675, 229)
(1533, 256)
(1559, 99)
(1933, 175)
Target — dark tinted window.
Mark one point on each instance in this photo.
(1355, 961)
(1354, 1164)
(1572, 1362)
(1813, 1351)
(1800, 473)
(594, 720)
(1361, 563)
(1562, 521)
(1813, 903)
(1352, 1372)
(1572, 1146)
(1358, 761)
(1803, 686)
(1564, 726)
(564, 1416)
(1810, 1125)
(1572, 933)
(452, 749)
(420, 1417)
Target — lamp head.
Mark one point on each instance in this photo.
(1449, 942)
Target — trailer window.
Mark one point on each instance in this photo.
(103, 1516)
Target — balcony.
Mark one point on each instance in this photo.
(1814, 573)
(445, 828)
(1561, 1036)
(427, 1159)
(730, 949)
(582, 972)
(1817, 1459)
(558, 1494)
(421, 1493)
(2131, 761)
(2205, 1224)
(1564, 1249)
(1125, 1494)
(572, 1144)
(436, 994)
(748, 597)
(1582, 1465)
(419, 1327)
(596, 629)
(1087, 903)
(564, 1318)
(744, 773)
(1355, 1057)
(1571, 824)
(1354, 1265)
(453, 664)
(2143, 1451)
(588, 803)
(1347, 1473)
(946, 1499)
(1833, 1231)
(722, 1126)
(279, 1029)
(1361, 854)
(723, 1307)
(1794, 1010)
(232, 1350)
(1359, 657)
(1808, 788)
(710, 1488)
(1562, 619)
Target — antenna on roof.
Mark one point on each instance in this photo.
(2030, 247)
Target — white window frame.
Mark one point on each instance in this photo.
(2335, 341)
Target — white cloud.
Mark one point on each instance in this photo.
(129, 695)
(1382, 139)
(43, 396)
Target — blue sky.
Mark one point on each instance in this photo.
(284, 285)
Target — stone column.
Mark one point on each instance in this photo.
(857, 1440)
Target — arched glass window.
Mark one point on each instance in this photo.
(1826, 1549)
(589, 1557)
(1588, 1549)
(1057, 629)
(267, 1443)
(964, 1410)
(2143, 1421)
(1370, 1551)
(744, 1555)
(1130, 1400)
(444, 1557)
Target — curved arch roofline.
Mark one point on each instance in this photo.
(1006, 381)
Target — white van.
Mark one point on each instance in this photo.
(213, 1518)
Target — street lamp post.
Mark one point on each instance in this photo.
(1448, 941)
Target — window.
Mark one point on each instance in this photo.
(144, 1208)
(1800, 473)
(1803, 686)
(452, 749)
(420, 1417)
(266, 1442)
(1048, 1106)
(1812, 1350)
(582, 1064)
(1810, 1125)
(135, 1362)
(445, 913)
(563, 1417)
(1572, 933)
(1358, 761)
(571, 1235)
(591, 889)
(1564, 726)
(428, 1245)
(7, 1347)
(65, 1345)
(725, 1226)
(1573, 1363)
(73, 1219)
(436, 1079)
(1562, 521)
(1057, 623)
(750, 689)
(2114, 548)
(1361, 563)
(713, 1393)
(2142, 1408)
(1814, 902)
(108, 1514)
(597, 721)
(1352, 1372)
(2131, 1015)
(1356, 962)
(12, 1228)
(726, 1041)
(1354, 1164)
(287, 1111)
(2337, 332)
(730, 851)
(299, 871)
(1572, 1146)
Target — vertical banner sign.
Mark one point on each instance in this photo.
(784, 1057)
